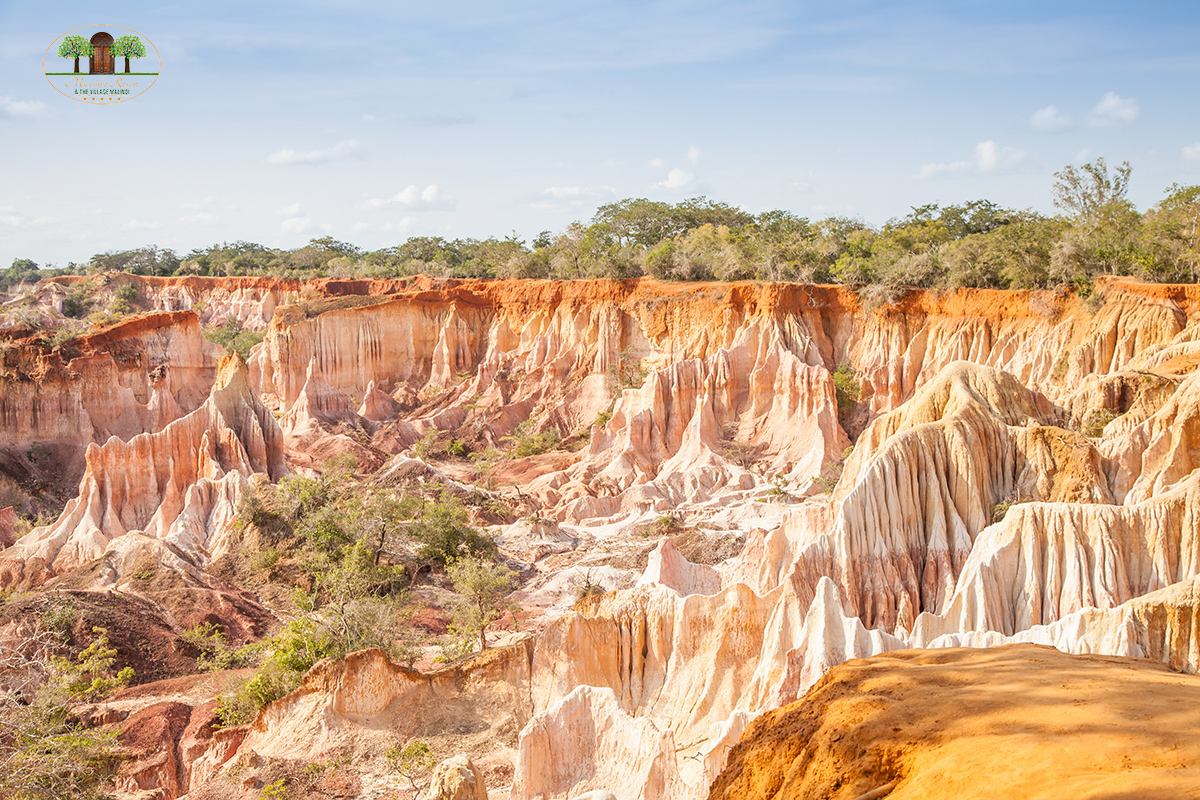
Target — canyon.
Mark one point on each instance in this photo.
(755, 491)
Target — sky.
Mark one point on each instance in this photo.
(372, 122)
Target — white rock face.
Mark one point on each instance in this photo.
(585, 743)
(180, 487)
(667, 567)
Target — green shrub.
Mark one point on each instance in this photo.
(1001, 508)
(415, 758)
(847, 388)
(67, 333)
(828, 479)
(444, 535)
(234, 337)
(275, 791)
(266, 560)
(89, 676)
(1095, 422)
(58, 616)
(482, 585)
(628, 372)
(526, 443)
(45, 749)
(215, 653)
(123, 297)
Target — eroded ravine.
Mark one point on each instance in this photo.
(982, 503)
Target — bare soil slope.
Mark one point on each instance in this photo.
(1021, 721)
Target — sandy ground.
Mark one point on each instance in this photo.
(1021, 721)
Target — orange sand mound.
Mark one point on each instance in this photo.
(1022, 721)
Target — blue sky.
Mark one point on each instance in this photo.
(375, 121)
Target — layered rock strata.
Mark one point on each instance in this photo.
(173, 493)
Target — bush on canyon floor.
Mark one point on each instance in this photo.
(444, 534)
(348, 546)
(411, 761)
(524, 442)
(439, 444)
(482, 585)
(45, 750)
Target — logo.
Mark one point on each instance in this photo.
(101, 64)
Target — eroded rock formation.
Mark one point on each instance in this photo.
(173, 493)
(1024, 470)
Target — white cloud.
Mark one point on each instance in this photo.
(359, 227)
(928, 171)
(194, 205)
(290, 211)
(20, 109)
(693, 155)
(557, 198)
(1049, 120)
(1192, 152)
(412, 199)
(368, 118)
(676, 179)
(295, 225)
(18, 219)
(1114, 110)
(403, 226)
(656, 163)
(989, 158)
(203, 218)
(579, 192)
(288, 157)
(138, 225)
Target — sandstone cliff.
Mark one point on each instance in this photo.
(1023, 470)
(172, 493)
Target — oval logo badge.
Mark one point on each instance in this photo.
(102, 64)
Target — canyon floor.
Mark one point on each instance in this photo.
(764, 538)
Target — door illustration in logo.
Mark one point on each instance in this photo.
(102, 59)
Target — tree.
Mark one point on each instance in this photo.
(22, 269)
(128, 47)
(483, 585)
(411, 761)
(75, 47)
(639, 222)
(444, 535)
(1083, 191)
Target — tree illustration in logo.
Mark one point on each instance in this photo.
(128, 47)
(75, 47)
